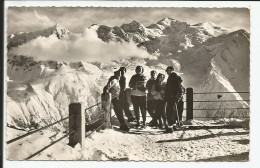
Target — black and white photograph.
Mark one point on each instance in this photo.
(167, 84)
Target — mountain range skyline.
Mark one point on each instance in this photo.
(28, 19)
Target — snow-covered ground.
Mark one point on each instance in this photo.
(205, 142)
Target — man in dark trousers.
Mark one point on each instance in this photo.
(122, 95)
(113, 87)
(150, 100)
(171, 97)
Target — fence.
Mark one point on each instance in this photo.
(77, 128)
(190, 102)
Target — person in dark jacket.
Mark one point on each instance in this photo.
(114, 88)
(122, 95)
(150, 100)
(171, 97)
(138, 95)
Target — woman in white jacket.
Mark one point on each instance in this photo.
(158, 95)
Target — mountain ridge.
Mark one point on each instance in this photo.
(133, 31)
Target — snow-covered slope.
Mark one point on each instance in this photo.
(229, 53)
(40, 94)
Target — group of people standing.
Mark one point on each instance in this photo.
(162, 100)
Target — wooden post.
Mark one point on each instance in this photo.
(189, 104)
(77, 124)
(106, 106)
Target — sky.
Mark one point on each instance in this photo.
(76, 19)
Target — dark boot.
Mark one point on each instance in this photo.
(131, 119)
(137, 124)
(124, 128)
(153, 123)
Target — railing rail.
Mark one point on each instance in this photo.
(206, 101)
(190, 102)
(222, 108)
(32, 132)
(225, 117)
(98, 118)
(220, 92)
(93, 106)
(54, 142)
(95, 129)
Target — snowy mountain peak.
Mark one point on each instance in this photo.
(106, 33)
(60, 31)
(57, 25)
(166, 21)
(205, 24)
(135, 22)
(134, 26)
(94, 26)
(210, 25)
(241, 33)
(211, 29)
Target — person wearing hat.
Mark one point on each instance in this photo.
(123, 96)
(171, 97)
(138, 95)
(113, 87)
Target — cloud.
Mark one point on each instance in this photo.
(41, 18)
(86, 47)
(26, 21)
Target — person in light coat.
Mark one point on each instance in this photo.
(158, 92)
(113, 87)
